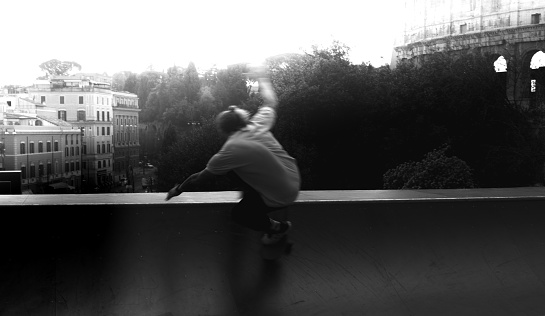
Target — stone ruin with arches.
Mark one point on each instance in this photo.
(511, 32)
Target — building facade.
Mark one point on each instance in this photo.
(85, 101)
(49, 157)
(511, 32)
(46, 150)
(125, 132)
(500, 26)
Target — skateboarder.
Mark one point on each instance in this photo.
(252, 157)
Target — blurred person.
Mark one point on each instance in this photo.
(255, 161)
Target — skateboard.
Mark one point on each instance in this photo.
(276, 250)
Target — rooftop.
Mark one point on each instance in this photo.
(377, 252)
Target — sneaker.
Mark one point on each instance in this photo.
(272, 237)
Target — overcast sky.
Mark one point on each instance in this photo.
(111, 36)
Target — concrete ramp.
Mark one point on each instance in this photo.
(464, 256)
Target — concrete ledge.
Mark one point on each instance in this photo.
(340, 196)
(378, 252)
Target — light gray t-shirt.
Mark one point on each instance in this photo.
(257, 158)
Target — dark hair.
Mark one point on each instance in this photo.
(230, 121)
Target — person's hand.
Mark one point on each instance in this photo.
(173, 192)
(256, 71)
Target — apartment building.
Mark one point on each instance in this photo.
(125, 131)
(49, 157)
(85, 101)
(46, 150)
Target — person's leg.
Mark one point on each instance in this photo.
(251, 212)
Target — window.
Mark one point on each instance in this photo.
(23, 172)
(48, 146)
(536, 18)
(98, 131)
(77, 151)
(62, 115)
(40, 147)
(103, 115)
(77, 165)
(56, 145)
(49, 171)
(108, 116)
(84, 150)
(71, 151)
(103, 148)
(66, 167)
(98, 115)
(66, 152)
(463, 28)
(72, 166)
(103, 130)
(22, 149)
(99, 164)
(109, 148)
(42, 99)
(40, 170)
(108, 131)
(61, 101)
(32, 171)
(81, 115)
(80, 99)
(31, 148)
(71, 139)
(98, 149)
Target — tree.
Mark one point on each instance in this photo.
(230, 87)
(55, 67)
(191, 83)
(435, 171)
(131, 83)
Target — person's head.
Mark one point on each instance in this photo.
(232, 120)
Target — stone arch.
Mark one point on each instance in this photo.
(526, 75)
(501, 67)
(537, 79)
(38, 123)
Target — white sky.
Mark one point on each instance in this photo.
(117, 35)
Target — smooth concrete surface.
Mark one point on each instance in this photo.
(350, 196)
(447, 252)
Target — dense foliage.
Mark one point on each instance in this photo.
(435, 171)
(55, 67)
(347, 124)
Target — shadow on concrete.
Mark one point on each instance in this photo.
(456, 257)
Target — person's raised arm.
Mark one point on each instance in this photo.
(265, 86)
(267, 92)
